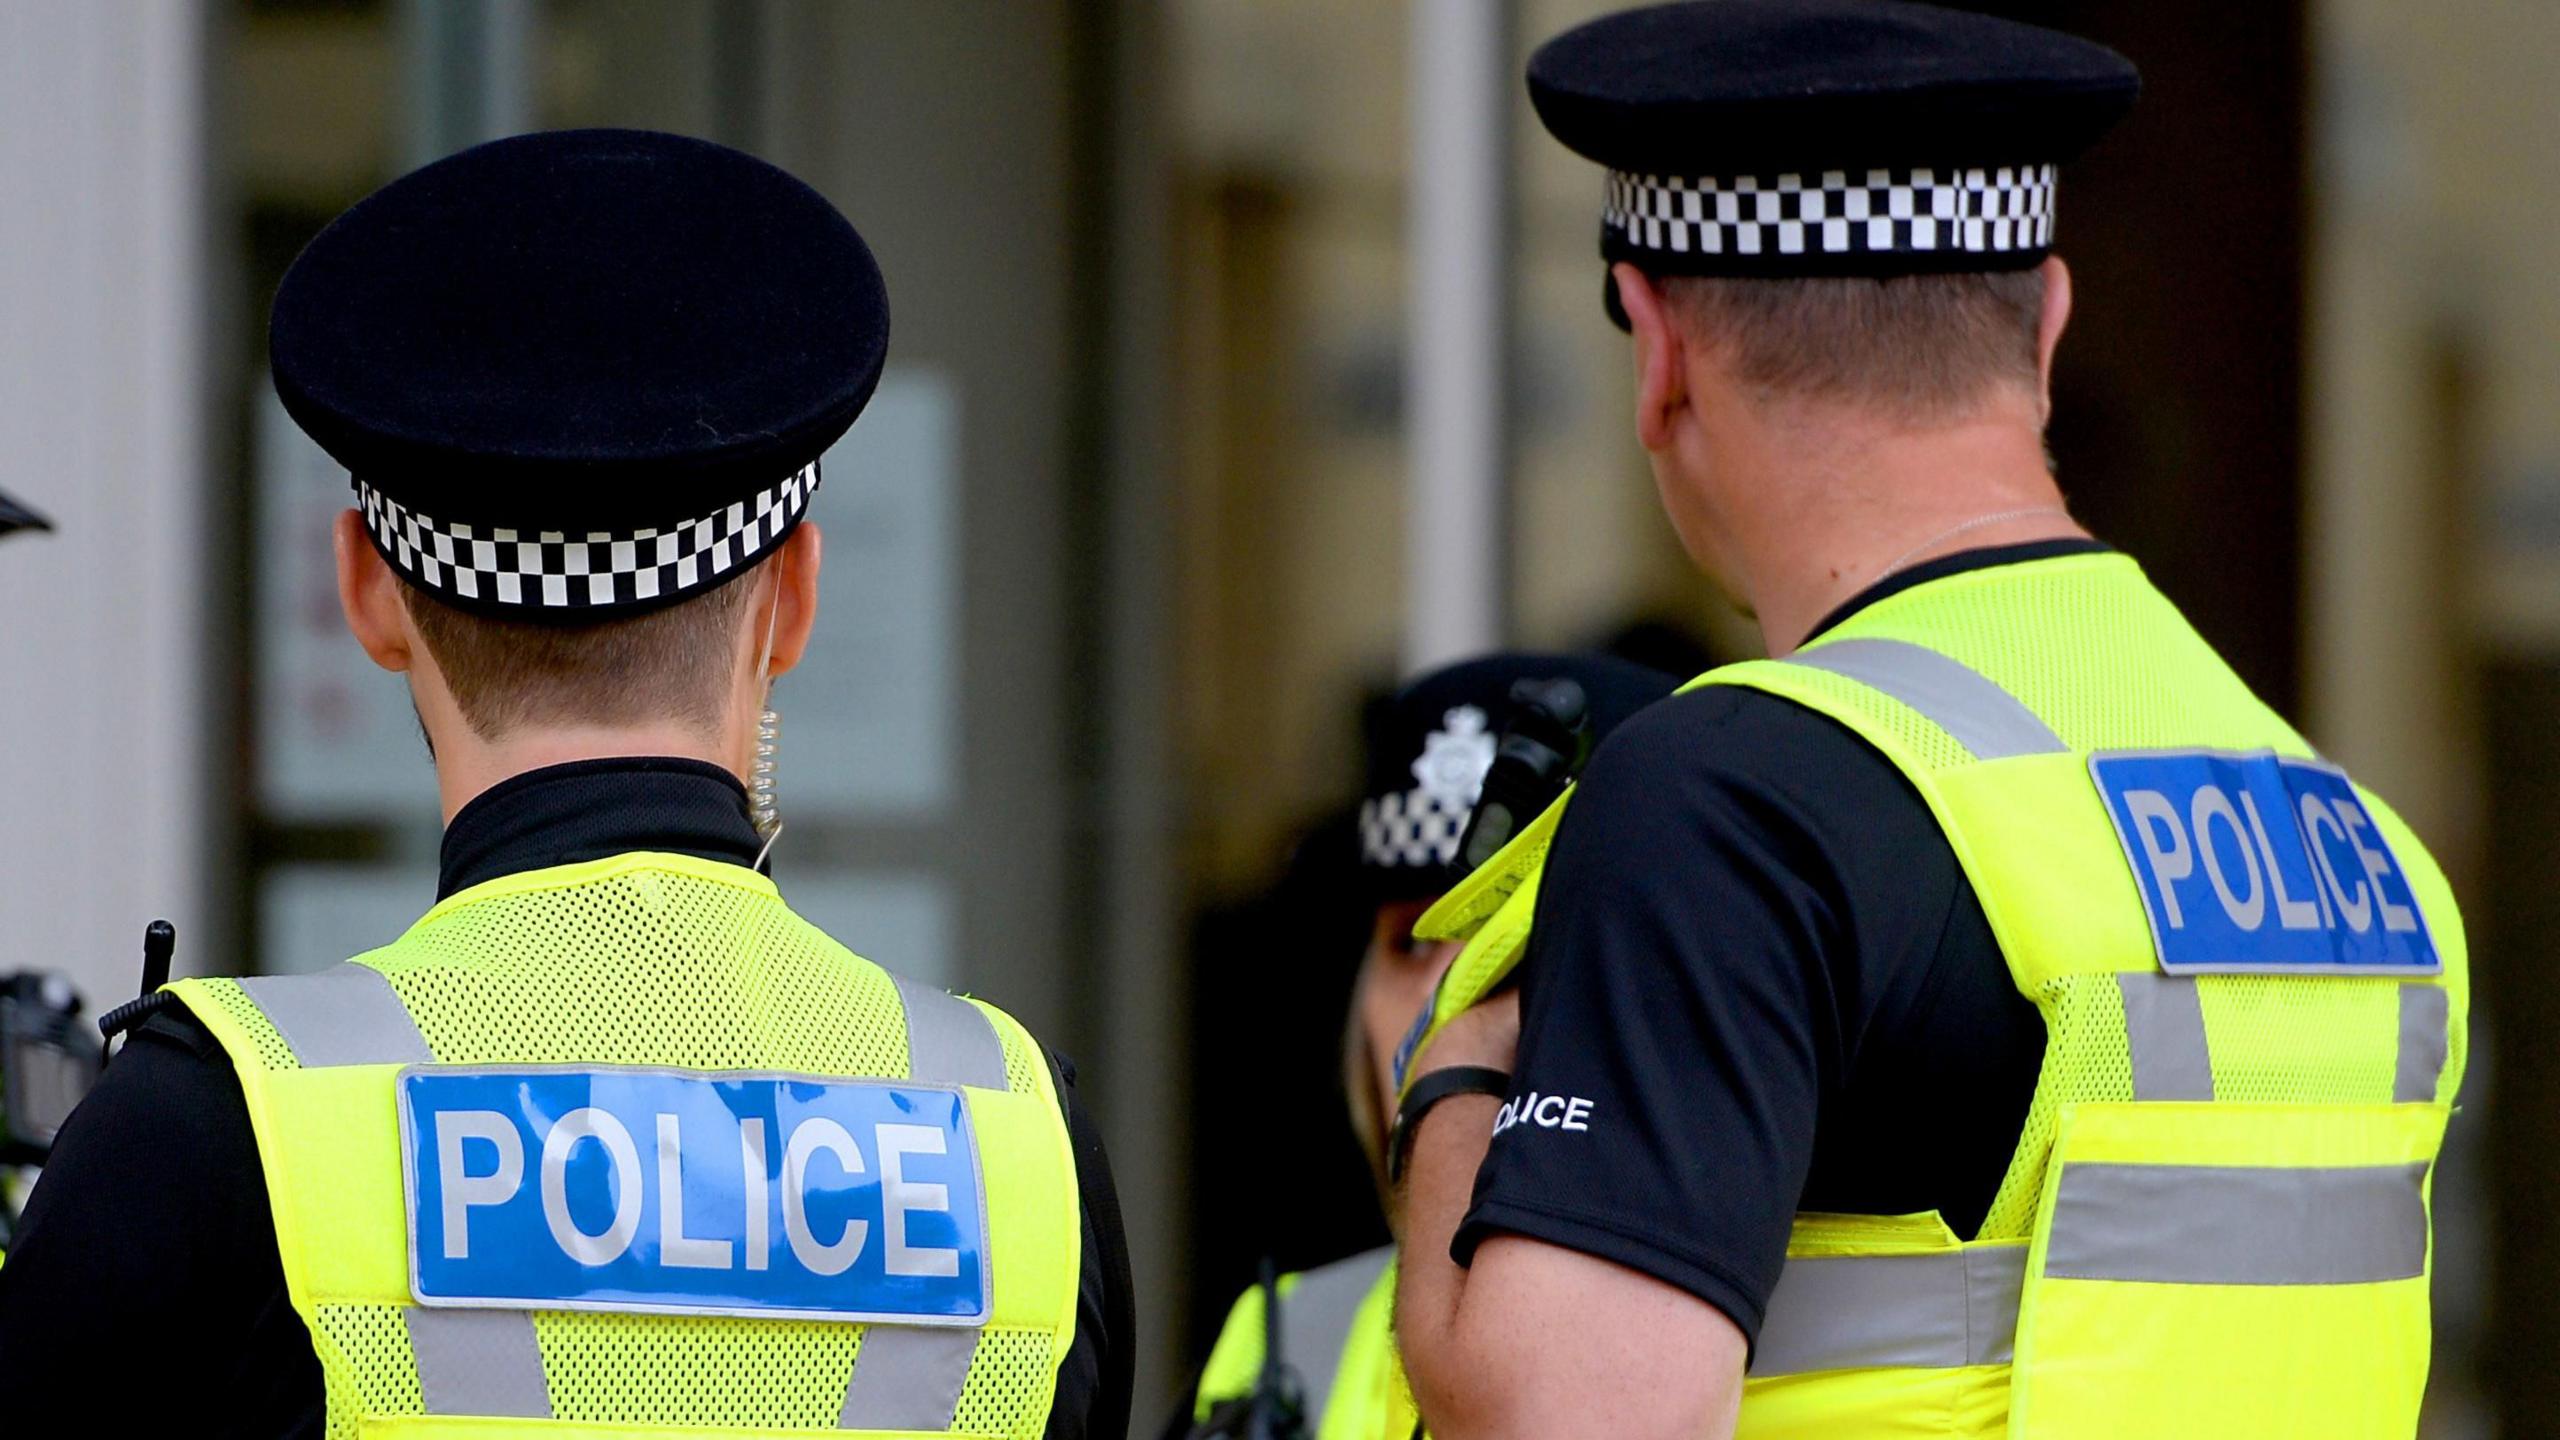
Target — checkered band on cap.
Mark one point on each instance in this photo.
(1413, 827)
(1762, 220)
(554, 571)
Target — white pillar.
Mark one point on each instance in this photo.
(469, 72)
(105, 717)
(1457, 236)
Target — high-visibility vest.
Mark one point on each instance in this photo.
(1337, 1334)
(2216, 1220)
(639, 970)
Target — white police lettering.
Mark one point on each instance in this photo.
(2292, 914)
(471, 1180)
(462, 1189)
(659, 1190)
(751, 1160)
(676, 1248)
(2154, 817)
(811, 1136)
(900, 1196)
(2210, 805)
(607, 1245)
(2397, 918)
(2171, 844)
(2317, 817)
(1547, 1112)
(2301, 876)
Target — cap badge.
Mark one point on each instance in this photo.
(1455, 758)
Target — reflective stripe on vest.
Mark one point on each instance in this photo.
(2239, 1224)
(348, 1014)
(2143, 1224)
(907, 1377)
(2425, 1028)
(1933, 1311)
(478, 1362)
(1316, 1318)
(489, 1361)
(1989, 722)
(949, 1041)
(2164, 1027)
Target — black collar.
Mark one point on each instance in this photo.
(1956, 564)
(592, 809)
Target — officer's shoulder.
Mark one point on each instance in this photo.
(1728, 760)
(172, 1024)
(1731, 733)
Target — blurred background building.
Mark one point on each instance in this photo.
(1149, 505)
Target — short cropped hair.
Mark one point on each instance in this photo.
(1921, 348)
(674, 663)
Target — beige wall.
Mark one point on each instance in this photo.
(2435, 382)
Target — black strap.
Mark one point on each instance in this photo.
(1430, 1089)
(1106, 1258)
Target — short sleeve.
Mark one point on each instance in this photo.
(151, 1218)
(1680, 1019)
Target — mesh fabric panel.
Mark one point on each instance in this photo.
(1021, 1056)
(2086, 1058)
(378, 1371)
(1009, 1388)
(2091, 647)
(273, 1052)
(696, 1370)
(2273, 1039)
(648, 967)
(2301, 1039)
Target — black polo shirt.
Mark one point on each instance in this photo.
(145, 1285)
(1761, 983)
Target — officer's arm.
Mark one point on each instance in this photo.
(1534, 1340)
(151, 1219)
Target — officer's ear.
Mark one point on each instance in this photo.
(370, 595)
(797, 595)
(1662, 380)
(2057, 313)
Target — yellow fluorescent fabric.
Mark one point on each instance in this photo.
(2099, 1357)
(2297, 1081)
(641, 959)
(1367, 1398)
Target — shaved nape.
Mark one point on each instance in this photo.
(1921, 349)
(670, 664)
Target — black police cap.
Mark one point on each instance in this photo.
(1430, 744)
(581, 373)
(1789, 138)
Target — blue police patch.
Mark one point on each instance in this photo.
(2254, 863)
(679, 1192)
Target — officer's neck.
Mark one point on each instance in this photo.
(468, 765)
(1823, 507)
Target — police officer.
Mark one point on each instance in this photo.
(1985, 1013)
(611, 1138)
(1429, 748)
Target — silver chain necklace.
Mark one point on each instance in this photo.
(1976, 523)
